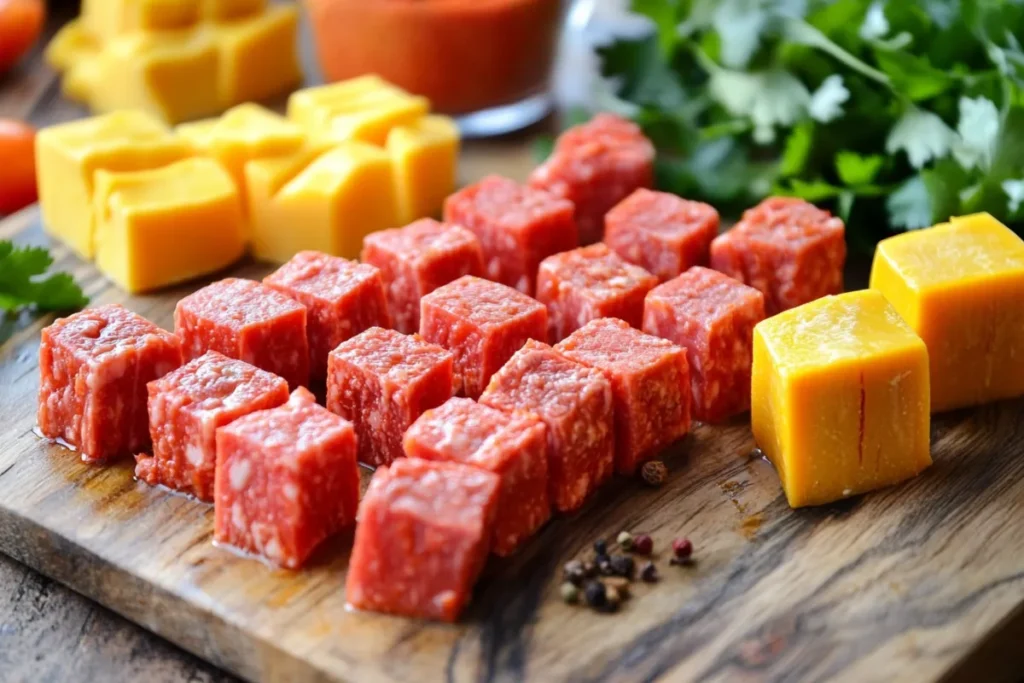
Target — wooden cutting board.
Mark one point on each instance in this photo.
(921, 582)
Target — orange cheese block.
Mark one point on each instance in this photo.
(960, 286)
(840, 397)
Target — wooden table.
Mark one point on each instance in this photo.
(48, 633)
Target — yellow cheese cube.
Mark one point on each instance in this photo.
(839, 397)
(69, 154)
(960, 286)
(149, 224)
(72, 43)
(424, 155)
(364, 108)
(258, 58)
(330, 205)
(226, 10)
(170, 74)
(111, 18)
(242, 134)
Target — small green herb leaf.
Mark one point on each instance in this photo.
(910, 206)
(21, 284)
(854, 169)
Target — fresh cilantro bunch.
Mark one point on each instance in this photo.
(21, 284)
(899, 113)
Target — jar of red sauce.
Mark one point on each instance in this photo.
(487, 62)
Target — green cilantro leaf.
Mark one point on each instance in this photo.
(665, 15)
(910, 207)
(854, 169)
(912, 75)
(797, 149)
(922, 135)
(22, 284)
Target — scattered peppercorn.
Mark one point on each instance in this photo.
(682, 551)
(570, 593)
(623, 565)
(625, 540)
(604, 565)
(611, 600)
(619, 583)
(654, 473)
(643, 545)
(589, 569)
(600, 547)
(649, 573)
(573, 572)
(595, 595)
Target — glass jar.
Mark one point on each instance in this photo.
(486, 62)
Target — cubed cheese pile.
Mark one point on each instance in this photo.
(348, 159)
(177, 59)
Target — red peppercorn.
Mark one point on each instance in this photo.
(682, 549)
(642, 544)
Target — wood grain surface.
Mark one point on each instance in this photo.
(904, 584)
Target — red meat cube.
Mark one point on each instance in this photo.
(342, 298)
(664, 233)
(249, 321)
(712, 316)
(589, 283)
(382, 381)
(93, 369)
(517, 226)
(514, 447)
(287, 478)
(792, 251)
(650, 380)
(575, 402)
(422, 539)
(185, 409)
(595, 166)
(482, 323)
(419, 258)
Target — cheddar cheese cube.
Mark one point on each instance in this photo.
(424, 154)
(840, 398)
(169, 74)
(149, 223)
(240, 135)
(960, 286)
(258, 57)
(227, 10)
(329, 206)
(364, 108)
(72, 43)
(69, 154)
(108, 19)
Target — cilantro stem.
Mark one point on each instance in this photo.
(800, 31)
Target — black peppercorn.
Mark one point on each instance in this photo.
(595, 595)
(623, 565)
(573, 572)
(604, 566)
(589, 569)
(600, 547)
(649, 573)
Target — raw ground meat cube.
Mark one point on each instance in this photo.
(422, 539)
(595, 166)
(287, 478)
(664, 233)
(518, 227)
(342, 298)
(482, 323)
(575, 402)
(512, 446)
(650, 380)
(249, 321)
(416, 260)
(589, 283)
(382, 381)
(93, 369)
(792, 251)
(712, 316)
(185, 409)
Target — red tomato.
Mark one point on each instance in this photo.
(20, 24)
(18, 168)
